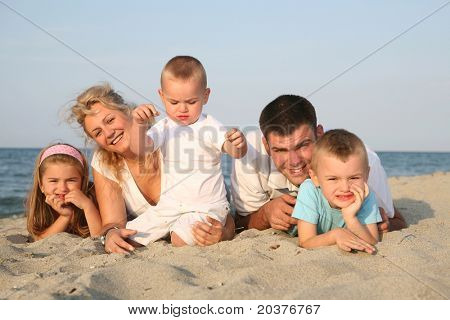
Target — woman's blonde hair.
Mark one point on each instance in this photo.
(110, 99)
(40, 215)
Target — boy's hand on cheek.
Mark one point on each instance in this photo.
(360, 194)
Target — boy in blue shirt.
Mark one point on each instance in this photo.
(335, 206)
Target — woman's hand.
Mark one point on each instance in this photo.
(205, 234)
(115, 241)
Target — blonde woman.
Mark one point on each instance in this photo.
(127, 185)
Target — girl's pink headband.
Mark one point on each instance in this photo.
(62, 149)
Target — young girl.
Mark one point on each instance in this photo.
(60, 199)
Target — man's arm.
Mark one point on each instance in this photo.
(274, 214)
(397, 222)
(255, 220)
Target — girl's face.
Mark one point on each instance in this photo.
(111, 129)
(59, 179)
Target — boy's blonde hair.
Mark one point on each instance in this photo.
(110, 99)
(39, 214)
(184, 68)
(339, 143)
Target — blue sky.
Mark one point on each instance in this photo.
(253, 51)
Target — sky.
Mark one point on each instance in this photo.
(390, 70)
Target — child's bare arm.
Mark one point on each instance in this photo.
(60, 225)
(368, 233)
(142, 115)
(343, 238)
(308, 237)
(235, 144)
(93, 219)
(350, 216)
(91, 212)
(57, 203)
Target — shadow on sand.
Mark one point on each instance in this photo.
(413, 210)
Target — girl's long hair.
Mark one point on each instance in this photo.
(40, 215)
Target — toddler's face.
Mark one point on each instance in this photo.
(59, 179)
(183, 99)
(336, 178)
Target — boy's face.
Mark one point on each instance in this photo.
(183, 99)
(336, 178)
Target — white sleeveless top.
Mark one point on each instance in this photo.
(135, 202)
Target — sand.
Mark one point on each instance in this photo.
(413, 263)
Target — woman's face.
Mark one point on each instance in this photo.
(111, 129)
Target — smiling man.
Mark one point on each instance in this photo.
(265, 182)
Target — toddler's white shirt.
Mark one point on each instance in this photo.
(191, 155)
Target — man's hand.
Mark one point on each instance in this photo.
(278, 211)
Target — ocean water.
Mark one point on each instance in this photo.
(16, 170)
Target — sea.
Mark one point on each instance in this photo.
(16, 171)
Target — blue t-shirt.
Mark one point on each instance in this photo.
(313, 207)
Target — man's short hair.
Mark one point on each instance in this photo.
(341, 144)
(184, 68)
(285, 114)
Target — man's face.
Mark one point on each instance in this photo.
(292, 154)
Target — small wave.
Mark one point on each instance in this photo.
(12, 206)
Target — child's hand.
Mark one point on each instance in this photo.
(207, 234)
(236, 138)
(347, 241)
(78, 198)
(57, 202)
(352, 210)
(144, 113)
(238, 142)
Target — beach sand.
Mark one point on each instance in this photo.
(413, 263)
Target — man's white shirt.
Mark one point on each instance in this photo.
(255, 180)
